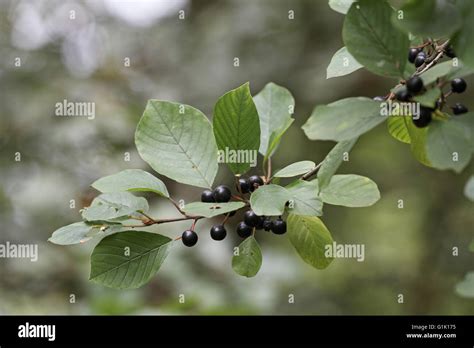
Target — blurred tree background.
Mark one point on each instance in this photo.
(409, 251)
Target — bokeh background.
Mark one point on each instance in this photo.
(408, 251)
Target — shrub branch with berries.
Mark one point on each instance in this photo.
(179, 142)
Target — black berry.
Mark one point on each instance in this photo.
(222, 194)
(255, 181)
(267, 224)
(403, 95)
(412, 53)
(251, 219)
(218, 232)
(379, 98)
(424, 118)
(449, 51)
(189, 238)
(243, 230)
(420, 59)
(459, 109)
(458, 85)
(244, 185)
(415, 85)
(279, 226)
(207, 196)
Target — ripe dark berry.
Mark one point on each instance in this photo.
(459, 109)
(420, 59)
(207, 196)
(255, 181)
(218, 232)
(412, 53)
(279, 226)
(379, 98)
(403, 95)
(458, 85)
(449, 51)
(424, 118)
(414, 85)
(243, 230)
(244, 185)
(251, 219)
(189, 238)
(222, 194)
(267, 224)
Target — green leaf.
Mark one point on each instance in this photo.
(373, 40)
(249, 259)
(344, 119)
(236, 125)
(463, 43)
(341, 6)
(432, 18)
(304, 198)
(350, 191)
(342, 63)
(466, 287)
(129, 259)
(471, 246)
(211, 209)
(114, 205)
(269, 200)
(398, 129)
(274, 104)
(417, 141)
(75, 233)
(445, 70)
(333, 160)
(448, 145)
(295, 169)
(309, 236)
(469, 191)
(429, 98)
(131, 180)
(177, 141)
(275, 138)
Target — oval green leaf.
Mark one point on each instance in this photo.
(342, 63)
(350, 191)
(114, 205)
(249, 259)
(310, 237)
(304, 198)
(209, 210)
(295, 169)
(269, 200)
(131, 180)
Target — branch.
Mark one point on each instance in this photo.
(312, 172)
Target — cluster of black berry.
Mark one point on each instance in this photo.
(223, 194)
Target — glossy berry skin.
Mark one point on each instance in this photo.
(251, 219)
(267, 224)
(412, 53)
(458, 85)
(243, 230)
(414, 85)
(189, 238)
(459, 109)
(424, 118)
(244, 185)
(218, 232)
(207, 196)
(222, 194)
(403, 95)
(279, 226)
(255, 181)
(449, 51)
(420, 59)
